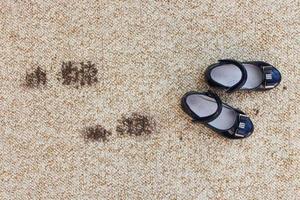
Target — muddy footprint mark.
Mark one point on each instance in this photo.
(136, 125)
(96, 134)
(78, 74)
(36, 78)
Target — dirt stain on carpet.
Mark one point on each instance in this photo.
(36, 78)
(96, 133)
(136, 125)
(78, 74)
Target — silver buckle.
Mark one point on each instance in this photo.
(239, 135)
(269, 86)
(241, 125)
(268, 77)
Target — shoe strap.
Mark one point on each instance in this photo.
(241, 82)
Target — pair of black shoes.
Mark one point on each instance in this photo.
(231, 75)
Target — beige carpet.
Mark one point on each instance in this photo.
(148, 54)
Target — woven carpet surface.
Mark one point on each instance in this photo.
(90, 100)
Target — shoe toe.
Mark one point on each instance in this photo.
(276, 76)
(246, 128)
(249, 127)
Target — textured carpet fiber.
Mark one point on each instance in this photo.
(90, 100)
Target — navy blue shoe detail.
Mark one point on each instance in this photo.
(270, 76)
(243, 127)
(238, 124)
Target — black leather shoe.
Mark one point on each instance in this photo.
(207, 108)
(233, 75)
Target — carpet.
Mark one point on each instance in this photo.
(90, 100)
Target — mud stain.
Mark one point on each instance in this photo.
(36, 78)
(96, 134)
(136, 125)
(78, 74)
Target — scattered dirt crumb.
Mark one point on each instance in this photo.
(284, 88)
(256, 111)
(180, 138)
(96, 133)
(36, 78)
(136, 125)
